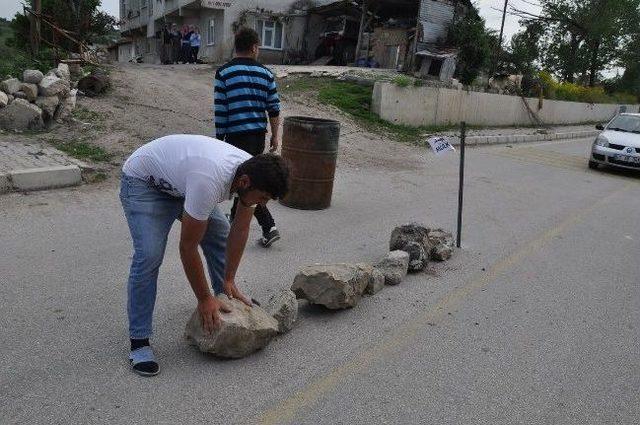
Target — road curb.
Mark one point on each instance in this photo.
(524, 138)
(40, 178)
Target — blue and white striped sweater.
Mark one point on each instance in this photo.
(245, 91)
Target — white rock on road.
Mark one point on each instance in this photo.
(283, 307)
(412, 238)
(394, 267)
(376, 282)
(334, 286)
(442, 243)
(242, 331)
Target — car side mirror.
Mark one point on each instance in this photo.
(599, 127)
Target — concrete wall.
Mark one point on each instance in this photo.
(418, 106)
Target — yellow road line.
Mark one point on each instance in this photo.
(286, 411)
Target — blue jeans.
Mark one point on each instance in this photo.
(150, 215)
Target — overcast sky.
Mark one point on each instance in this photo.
(8, 8)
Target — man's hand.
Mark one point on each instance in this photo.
(232, 291)
(274, 143)
(209, 309)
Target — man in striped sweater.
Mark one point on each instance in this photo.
(245, 94)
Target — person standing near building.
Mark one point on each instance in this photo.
(245, 93)
(176, 40)
(195, 44)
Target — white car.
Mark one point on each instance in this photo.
(619, 143)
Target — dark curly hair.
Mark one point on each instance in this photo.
(245, 39)
(268, 173)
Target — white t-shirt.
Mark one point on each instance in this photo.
(197, 168)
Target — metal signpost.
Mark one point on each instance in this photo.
(461, 183)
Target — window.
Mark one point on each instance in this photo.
(211, 31)
(271, 33)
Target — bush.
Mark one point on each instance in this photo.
(402, 81)
(14, 62)
(577, 93)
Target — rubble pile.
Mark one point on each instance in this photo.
(37, 99)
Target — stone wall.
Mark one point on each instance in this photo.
(419, 106)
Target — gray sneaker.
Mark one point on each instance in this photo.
(269, 238)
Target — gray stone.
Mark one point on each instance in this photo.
(48, 105)
(10, 86)
(4, 99)
(376, 282)
(394, 267)
(21, 115)
(418, 256)
(10, 97)
(52, 85)
(441, 252)
(335, 286)
(63, 71)
(284, 308)
(31, 90)
(414, 239)
(32, 76)
(66, 107)
(242, 331)
(442, 244)
(20, 95)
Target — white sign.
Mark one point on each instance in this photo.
(440, 145)
(216, 4)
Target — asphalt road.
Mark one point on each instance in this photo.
(535, 321)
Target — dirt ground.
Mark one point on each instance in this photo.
(149, 101)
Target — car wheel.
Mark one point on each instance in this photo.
(593, 165)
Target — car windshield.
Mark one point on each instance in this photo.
(628, 123)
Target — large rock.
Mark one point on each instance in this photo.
(394, 267)
(10, 86)
(21, 115)
(376, 282)
(414, 239)
(52, 85)
(283, 307)
(48, 105)
(66, 107)
(335, 286)
(242, 331)
(94, 84)
(31, 90)
(32, 76)
(4, 99)
(20, 95)
(63, 71)
(442, 244)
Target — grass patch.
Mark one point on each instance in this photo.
(86, 115)
(82, 150)
(355, 100)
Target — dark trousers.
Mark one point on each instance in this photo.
(252, 143)
(194, 53)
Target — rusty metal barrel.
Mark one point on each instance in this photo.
(310, 147)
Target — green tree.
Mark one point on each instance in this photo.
(582, 38)
(82, 18)
(474, 43)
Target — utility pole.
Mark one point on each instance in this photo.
(34, 24)
(496, 59)
(363, 21)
